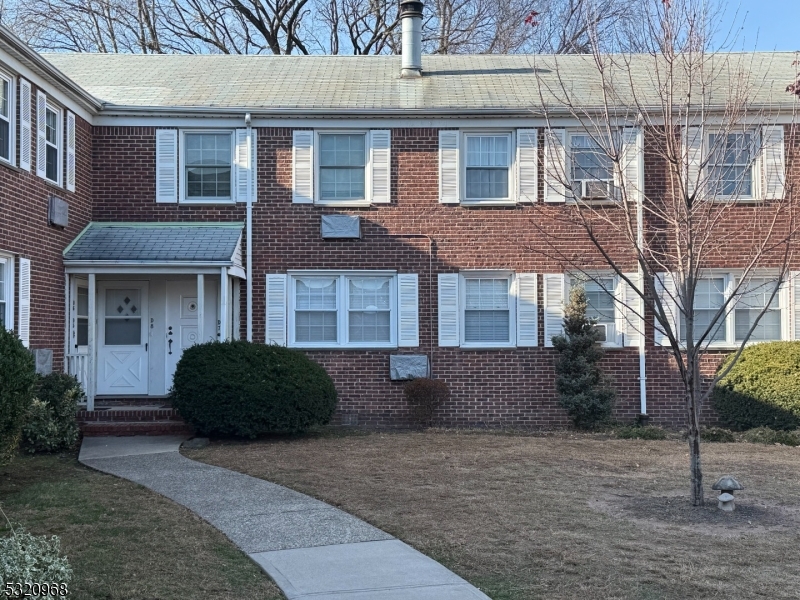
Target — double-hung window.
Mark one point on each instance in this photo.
(730, 164)
(591, 169)
(342, 167)
(53, 144)
(207, 166)
(6, 118)
(601, 307)
(487, 309)
(752, 297)
(487, 168)
(354, 310)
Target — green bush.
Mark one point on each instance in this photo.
(33, 559)
(243, 389)
(762, 389)
(50, 425)
(716, 434)
(646, 432)
(765, 435)
(423, 397)
(583, 389)
(17, 376)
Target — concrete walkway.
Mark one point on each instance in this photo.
(310, 549)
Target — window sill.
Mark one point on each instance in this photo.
(206, 202)
(345, 348)
(488, 347)
(12, 167)
(54, 185)
(343, 203)
(480, 203)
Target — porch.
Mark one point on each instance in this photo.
(139, 294)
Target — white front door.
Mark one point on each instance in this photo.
(122, 338)
(182, 311)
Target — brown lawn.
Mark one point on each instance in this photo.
(123, 541)
(556, 516)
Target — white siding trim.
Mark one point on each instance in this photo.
(408, 310)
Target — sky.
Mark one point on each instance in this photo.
(763, 24)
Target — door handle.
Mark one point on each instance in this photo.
(170, 346)
(145, 346)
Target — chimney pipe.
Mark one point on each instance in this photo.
(411, 20)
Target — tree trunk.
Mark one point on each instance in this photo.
(695, 465)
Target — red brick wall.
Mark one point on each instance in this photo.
(25, 232)
(413, 234)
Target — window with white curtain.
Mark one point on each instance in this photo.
(342, 310)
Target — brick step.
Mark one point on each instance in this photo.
(132, 401)
(97, 429)
(128, 414)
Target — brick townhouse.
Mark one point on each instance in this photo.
(385, 224)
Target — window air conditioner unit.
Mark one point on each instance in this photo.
(603, 329)
(594, 189)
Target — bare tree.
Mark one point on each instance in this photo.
(696, 118)
(357, 26)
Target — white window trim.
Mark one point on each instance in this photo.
(182, 187)
(730, 342)
(755, 163)
(75, 283)
(571, 197)
(342, 308)
(12, 119)
(619, 301)
(367, 201)
(59, 144)
(7, 259)
(511, 200)
(512, 308)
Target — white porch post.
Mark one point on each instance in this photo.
(91, 384)
(201, 305)
(67, 323)
(223, 305)
(237, 316)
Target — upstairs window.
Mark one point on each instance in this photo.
(53, 144)
(592, 172)
(487, 167)
(6, 118)
(342, 166)
(730, 164)
(207, 166)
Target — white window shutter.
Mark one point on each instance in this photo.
(71, 147)
(632, 325)
(555, 165)
(527, 165)
(303, 167)
(527, 310)
(408, 310)
(774, 162)
(166, 165)
(25, 125)
(693, 147)
(24, 328)
(41, 134)
(632, 162)
(667, 293)
(794, 292)
(448, 167)
(276, 309)
(553, 307)
(245, 164)
(448, 310)
(381, 162)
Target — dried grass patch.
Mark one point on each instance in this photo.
(517, 515)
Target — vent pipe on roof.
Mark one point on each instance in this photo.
(411, 20)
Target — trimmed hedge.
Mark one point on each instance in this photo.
(424, 396)
(51, 424)
(762, 389)
(17, 376)
(245, 390)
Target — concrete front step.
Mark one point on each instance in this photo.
(117, 428)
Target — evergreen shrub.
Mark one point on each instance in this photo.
(762, 389)
(424, 396)
(583, 389)
(17, 377)
(243, 389)
(50, 425)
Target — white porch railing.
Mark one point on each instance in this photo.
(78, 366)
